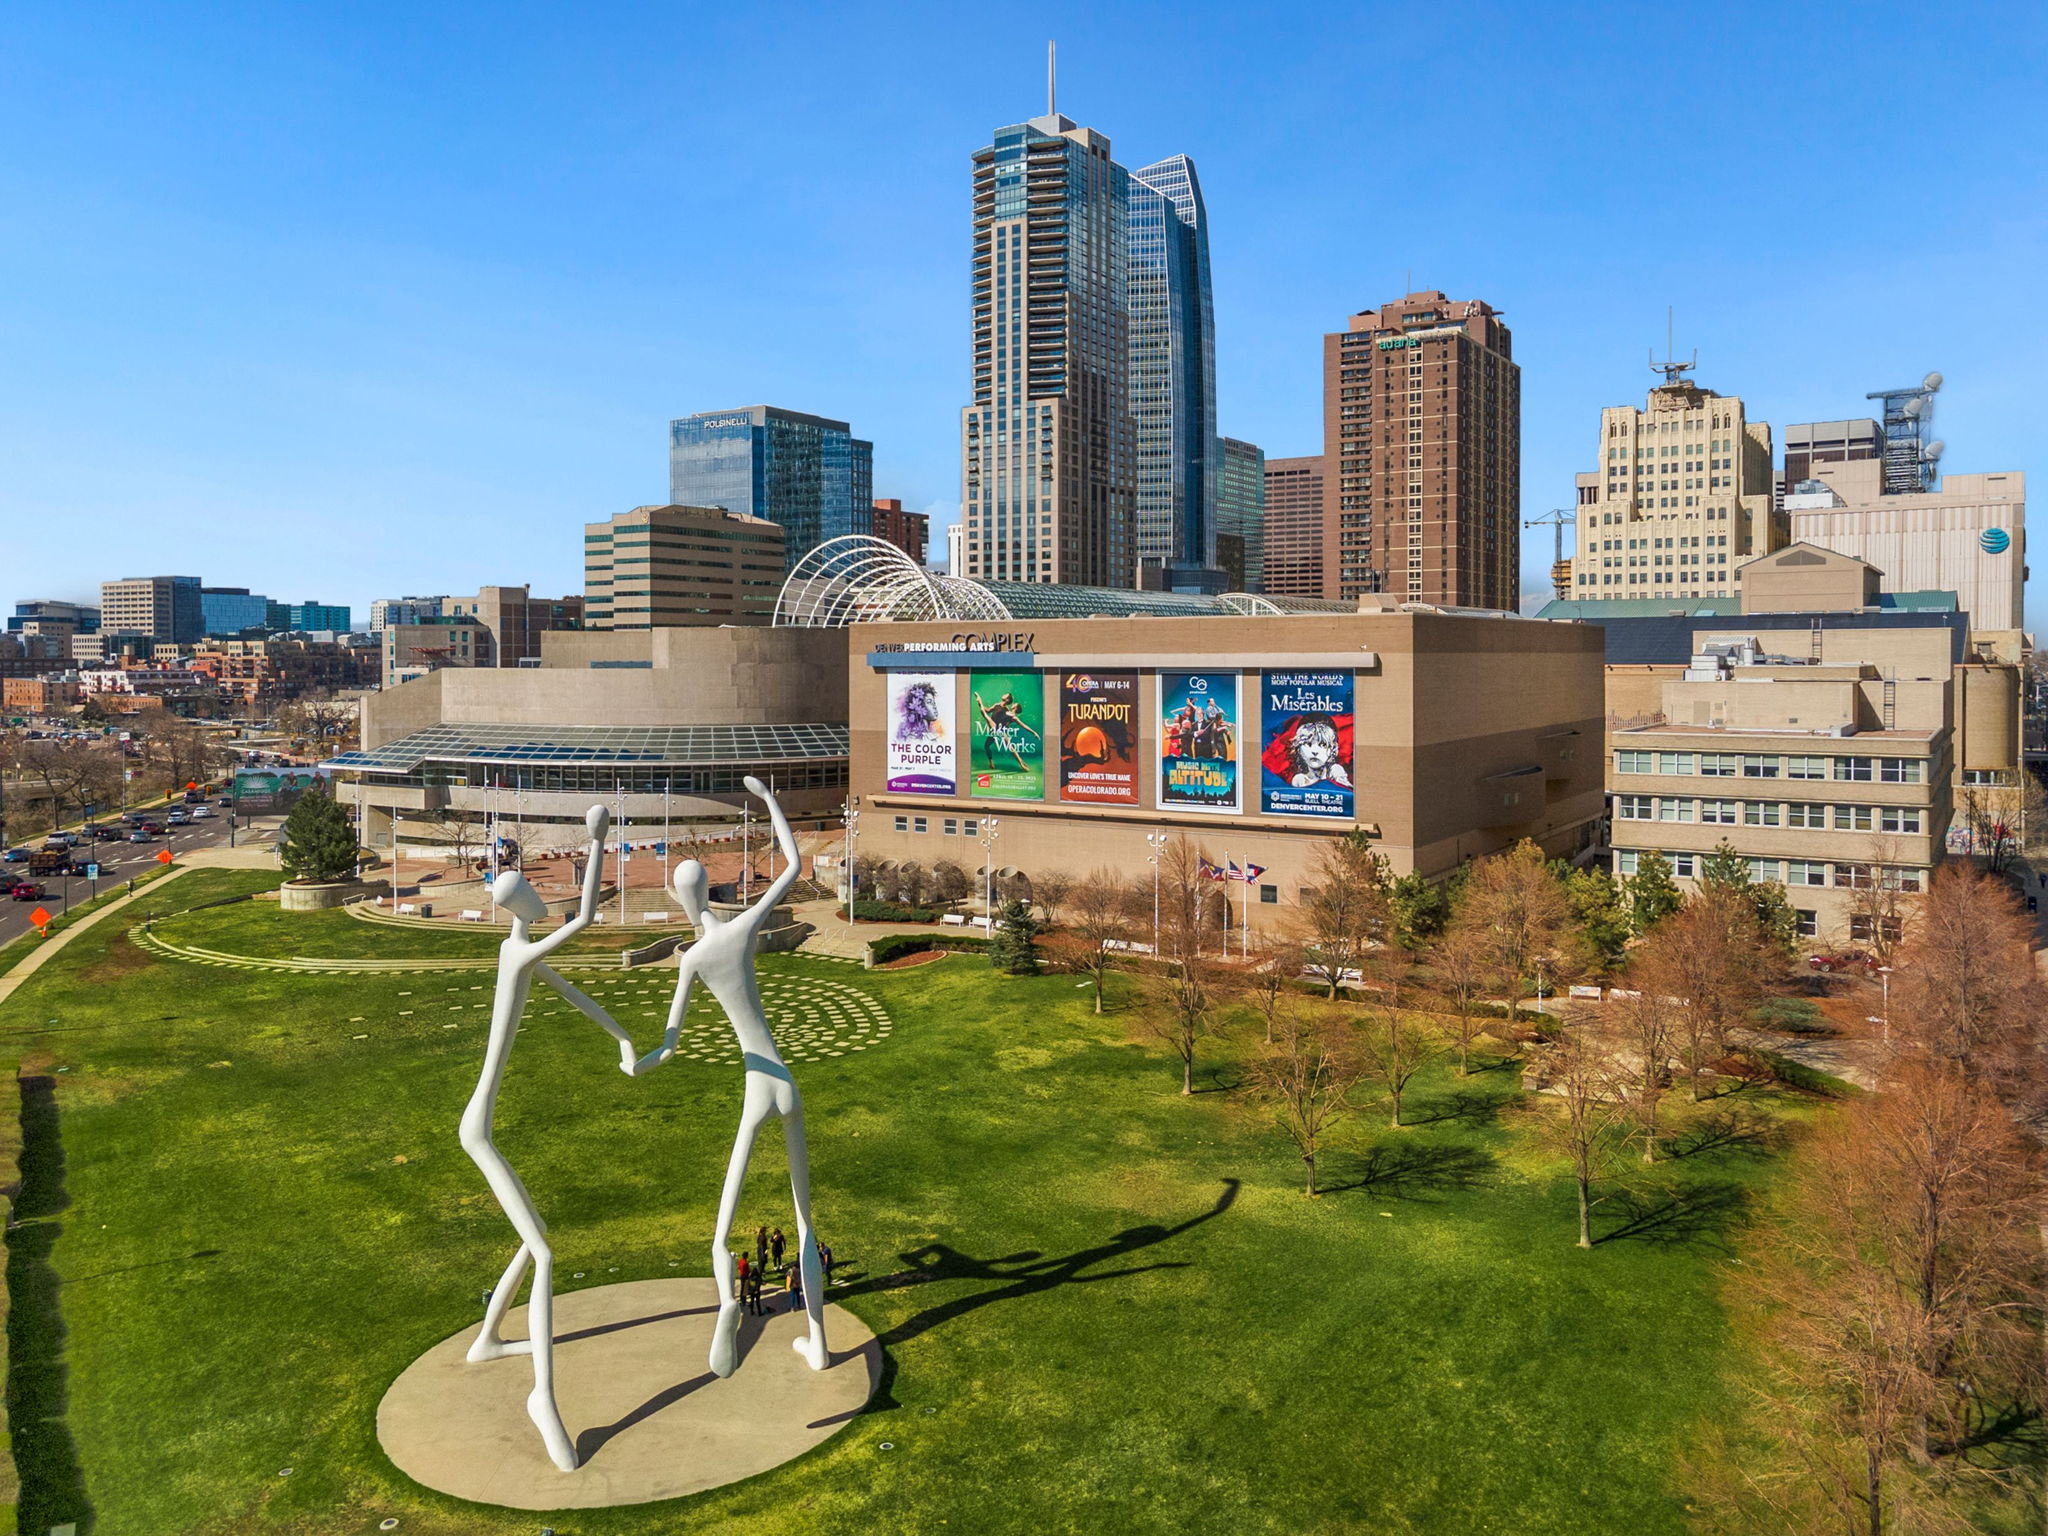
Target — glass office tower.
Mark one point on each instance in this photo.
(1047, 449)
(1241, 515)
(1173, 372)
(808, 474)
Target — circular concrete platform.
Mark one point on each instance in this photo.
(649, 1420)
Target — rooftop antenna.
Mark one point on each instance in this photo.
(1674, 372)
(1051, 58)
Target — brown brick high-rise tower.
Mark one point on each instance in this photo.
(1422, 431)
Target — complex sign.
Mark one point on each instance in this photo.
(1305, 757)
(922, 736)
(1198, 736)
(274, 789)
(1008, 726)
(1099, 737)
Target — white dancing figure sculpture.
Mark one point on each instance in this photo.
(723, 959)
(520, 960)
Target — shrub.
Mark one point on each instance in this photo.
(895, 946)
(893, 912)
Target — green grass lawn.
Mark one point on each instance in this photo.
(1106, 1308)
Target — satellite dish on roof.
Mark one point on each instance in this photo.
(1931, 383)
(1934, 450)
(1911, 409)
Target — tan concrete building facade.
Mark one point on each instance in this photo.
(1422, 430)
(1465, 734)
(1296, 540)
(656, 567)
(1685, 496)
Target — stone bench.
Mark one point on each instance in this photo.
(471, 915)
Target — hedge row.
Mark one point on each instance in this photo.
(895, 946)
(893, 912)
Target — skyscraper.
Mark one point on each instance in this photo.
(1173, 372)
(162, 607)
(1241, 515)
(1422, 430)
(807, 474)
(1685, 497)
(1294, 544)
(1048, 473)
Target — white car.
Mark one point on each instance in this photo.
(200, 813)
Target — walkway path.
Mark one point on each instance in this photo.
(41, 957)
(833, 937)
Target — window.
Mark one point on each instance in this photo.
(1806, 767)
(949, 826)
(1762, 813)
(1854, 877)
(902, 823)
(1635, 762)
(1813, 816)
(1898, 818)
(1981, 777)
(1719, 813)
(1634, 807)
(1853, 818)
(1669, 809)
(1902, 770)
(1763, 870)
(1756, 766)
(1674, 762)
(1856, 769)
(1805, 922)
(1625, 861)
(1683, 864)
(1718, 765)
(1893, 878)
(1269, 895)
(1805, 872)
(1863, 929)
(919, 824)
(970, 828)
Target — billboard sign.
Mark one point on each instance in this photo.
(923, 738)
(1008, 735)
(1198, 736)
(273, 789)
(1305, 754)
(1099, 737)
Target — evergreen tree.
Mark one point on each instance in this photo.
(1015, 945)
(318, 842)
(1421, 908)
(1724, 869)
(1650, 894)
(1724, 872)
(1597, 904)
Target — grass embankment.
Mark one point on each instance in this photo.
(1105, 1307)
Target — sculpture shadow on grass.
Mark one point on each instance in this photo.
(1014, 1275)
(1407, 1170)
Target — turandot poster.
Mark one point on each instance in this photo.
(1305, 760)
(922, 739)
(1007, 726)
(1198, 740)
(1099, 737)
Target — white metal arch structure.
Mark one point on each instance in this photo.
(857, 579)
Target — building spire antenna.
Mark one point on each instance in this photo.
(1674, 371)
(1051, 95)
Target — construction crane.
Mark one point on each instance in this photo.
(1557, 519)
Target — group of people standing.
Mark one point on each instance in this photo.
(750, 1276)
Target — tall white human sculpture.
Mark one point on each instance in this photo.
(723, 959)
(520, 960)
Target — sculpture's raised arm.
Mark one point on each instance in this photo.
(785, 839)
(598, 820)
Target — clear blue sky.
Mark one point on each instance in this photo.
(341, 302)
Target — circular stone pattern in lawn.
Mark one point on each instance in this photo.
(812, 1018)
(648, 1419)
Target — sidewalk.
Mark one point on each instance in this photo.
(831, 934)
(34, 962)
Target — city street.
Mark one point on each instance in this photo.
(119, 862)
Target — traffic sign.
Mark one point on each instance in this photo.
(163, 855)
(40, 917)
(92, 871)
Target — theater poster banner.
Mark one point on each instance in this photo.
(1007, 728)
(1099, 737)
(1305, 760)
(922, 735)
(1198, 741)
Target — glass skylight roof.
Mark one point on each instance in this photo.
(681, 746)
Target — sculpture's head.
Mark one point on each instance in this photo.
(512, 893)
(693, 889)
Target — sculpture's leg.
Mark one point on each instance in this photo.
(490, 1343)
(725, 1333)
(812, 1345)
(540, 1309)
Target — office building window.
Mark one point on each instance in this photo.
(1635, 807)
(1898, 818)
(1854, 769)
(1269, 895)
(1635, 762)
(902, 823)
(919, 824)
(1762, 813)
(1758, 766)
(1854, 818)
(1683, 865)
(1806, 767)
(1763, 870)
(1674, 810)
(1674, 762)
(1718, 765)
(1805, 922)
(1720, 813)
(1813, 816)
(1901, 770)
(1625, 861)
(1805, 872)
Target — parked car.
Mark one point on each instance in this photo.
(28, 890)
(15, 856)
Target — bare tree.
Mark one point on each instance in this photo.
(1966, 986)
(2004, 820)
(1393, 1048)
(1705, 965)
(1303, 1078)
(1101, 909)
(1521, 905)
(1643, 1032)
(1051, 888)
(949, 884)
(910, 883)
(1577, 1071)
(1879, 903)
(1184, 998)
(1344, 907)
(1463, 960)
(1272, 966)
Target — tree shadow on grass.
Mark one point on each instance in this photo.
(1468, 1105)
(38, 1388)
(1408, 1170)
(1694, 1213)
(1009, 1277)
(1725, 1133)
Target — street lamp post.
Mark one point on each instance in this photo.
(850, 811)
(990, 831)
(1157, 842)
(1884, 981)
